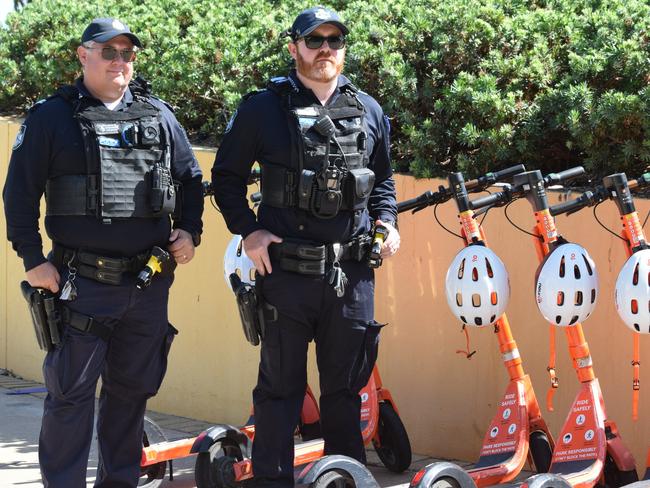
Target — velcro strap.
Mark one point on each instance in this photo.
(101, 275)
(316, 268)
(85, 323)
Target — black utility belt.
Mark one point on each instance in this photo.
(104, 269)
(314, 259)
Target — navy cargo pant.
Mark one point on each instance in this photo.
(346, 340)
(131, 364)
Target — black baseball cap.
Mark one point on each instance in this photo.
(310, 19)
(105, 29)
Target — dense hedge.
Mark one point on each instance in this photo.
(468, 84)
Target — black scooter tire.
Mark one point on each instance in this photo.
(614, 478)
(214, 468)
(540, 451)
(395, 448)
(445, 482)
(333, 479)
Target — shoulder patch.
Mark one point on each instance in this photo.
(166, 104)
(19, 137)
(231, 122)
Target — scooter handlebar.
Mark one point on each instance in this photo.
(418, 203)
(563, 176)
(489, 200)
(490, 178)
(574, 205)
(641, 182)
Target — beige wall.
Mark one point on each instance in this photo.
(446, 401)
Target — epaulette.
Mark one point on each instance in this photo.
(165, 103)
(68, 92)
(251, 94)
(282, 85)
(37, 105)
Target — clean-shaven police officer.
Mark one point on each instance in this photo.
(323, 147)
(104, 152)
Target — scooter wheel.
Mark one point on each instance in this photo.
(333, 479)
(394, 447)
(214, 469)
(615, 477)
(541, 452)
(445, 482)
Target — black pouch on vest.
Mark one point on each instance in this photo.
(361, 183)
(45, 316)
(163, 193)
(252, 317)
(305, 188)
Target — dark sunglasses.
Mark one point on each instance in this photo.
(110, 53)
(315, 42)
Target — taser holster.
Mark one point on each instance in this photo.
(252, 310)
(45, 315)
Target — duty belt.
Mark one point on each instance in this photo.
(104, 269)
(308, 258)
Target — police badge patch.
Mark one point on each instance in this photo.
(231, 122)
(19, 137)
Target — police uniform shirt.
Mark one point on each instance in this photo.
(259, 132)
(50, 144)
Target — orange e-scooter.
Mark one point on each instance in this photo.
(632, 285)
(518, 431)
(589, 451)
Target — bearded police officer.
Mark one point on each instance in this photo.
(111, 160)
(323, 147)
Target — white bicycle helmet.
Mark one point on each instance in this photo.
(478, 287)
(236, 261)
(566, 288)
(633, 292)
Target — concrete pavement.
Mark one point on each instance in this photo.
(20, 418)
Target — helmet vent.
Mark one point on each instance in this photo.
(573, 320)
(635, 275)
(488, 267)
(494, 299)
(461, 269)
(634, 306)
(589, 268)
(558, 319)
(578, 298)
(459, 299)
(636, 326)
(493, 318)
(463, 319)
(593, 295)
(560, 298)
(474, 274)
(576, 272)
(478, 321)
(476, 300)
(562, 267)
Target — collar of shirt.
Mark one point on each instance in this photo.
(340, 82)
(127, 99)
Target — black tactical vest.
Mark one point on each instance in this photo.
(328, 172)
(127, 162)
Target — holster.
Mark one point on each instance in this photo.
(45, 315)
(253, 311)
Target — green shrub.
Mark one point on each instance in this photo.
(469, 85)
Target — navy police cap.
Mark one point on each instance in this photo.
(310, 19)
(105, 29)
